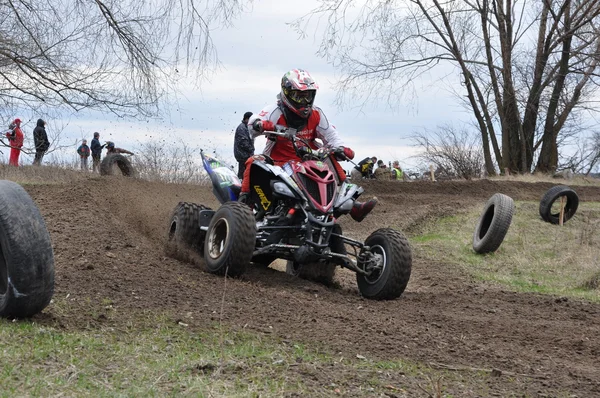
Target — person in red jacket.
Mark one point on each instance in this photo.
(15, 138)
(295, 109)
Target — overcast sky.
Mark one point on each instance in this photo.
(255, 54)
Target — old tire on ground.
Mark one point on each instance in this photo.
(186, 239)
(230, 240)
(26, 257)
(395, 263)
(108, 163)
(493, 223)
(320, 272)
(551, 196)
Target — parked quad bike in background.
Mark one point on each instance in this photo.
(292, 215)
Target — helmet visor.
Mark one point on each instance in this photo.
(301, 98)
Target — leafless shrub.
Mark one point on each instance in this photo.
(169, 162)
(585, 158)
(455, 153)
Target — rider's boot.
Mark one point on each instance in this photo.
(361, 209)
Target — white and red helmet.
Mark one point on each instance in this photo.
(298, 91)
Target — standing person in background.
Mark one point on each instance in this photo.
(15, 139)
(84, 153)
(397, 173)
(96, 152)
(40, 139)
(382, 172)
(364, 169)
(243, 144)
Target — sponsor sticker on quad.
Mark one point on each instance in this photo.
(264, 201)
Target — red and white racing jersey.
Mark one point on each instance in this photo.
(317, 127)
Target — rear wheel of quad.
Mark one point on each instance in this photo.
(26, 256)
(320, 272)
(186, 239)
(230, 240)
(391, 264)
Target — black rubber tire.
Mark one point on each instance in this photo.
(26, 256)
(554, 194)
(392, 281)
(263, 260)
(320, 272)
(106, 166)
(230, 239)
(185, 238)
(493, 223)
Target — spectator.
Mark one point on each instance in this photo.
(382, 172)
(15, 139)
(111, 149)
(96, 152)
(84, 153)
(40, 140)
(397, 173)
(364, 169)
(243, 144)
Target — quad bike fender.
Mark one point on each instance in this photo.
(346, 195)
(270, 178)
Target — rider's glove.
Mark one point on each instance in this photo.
(263, 125)
(304, 150)
(343, 153)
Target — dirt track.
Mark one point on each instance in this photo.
(109, 245)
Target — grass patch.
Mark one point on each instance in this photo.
(535, 256)
(155, 356)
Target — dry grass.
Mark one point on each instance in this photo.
(539, 177)
(41, 174)
(535, 256)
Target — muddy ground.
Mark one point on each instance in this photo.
(109, 235)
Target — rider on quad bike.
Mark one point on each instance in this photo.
(295, 110)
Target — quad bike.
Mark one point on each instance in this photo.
(291, 213)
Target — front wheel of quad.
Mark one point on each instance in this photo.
(230, 240)
(26, 256)
(389, 259)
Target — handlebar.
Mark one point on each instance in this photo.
(290, 133)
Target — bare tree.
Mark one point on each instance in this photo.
(121, 56)
(586, 157)
(173, 162)
(454, 152)
(526, 67)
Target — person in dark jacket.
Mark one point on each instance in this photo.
(96, 152)
(243, 144)
(364, 169)
(40, 139)
(84, 153)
